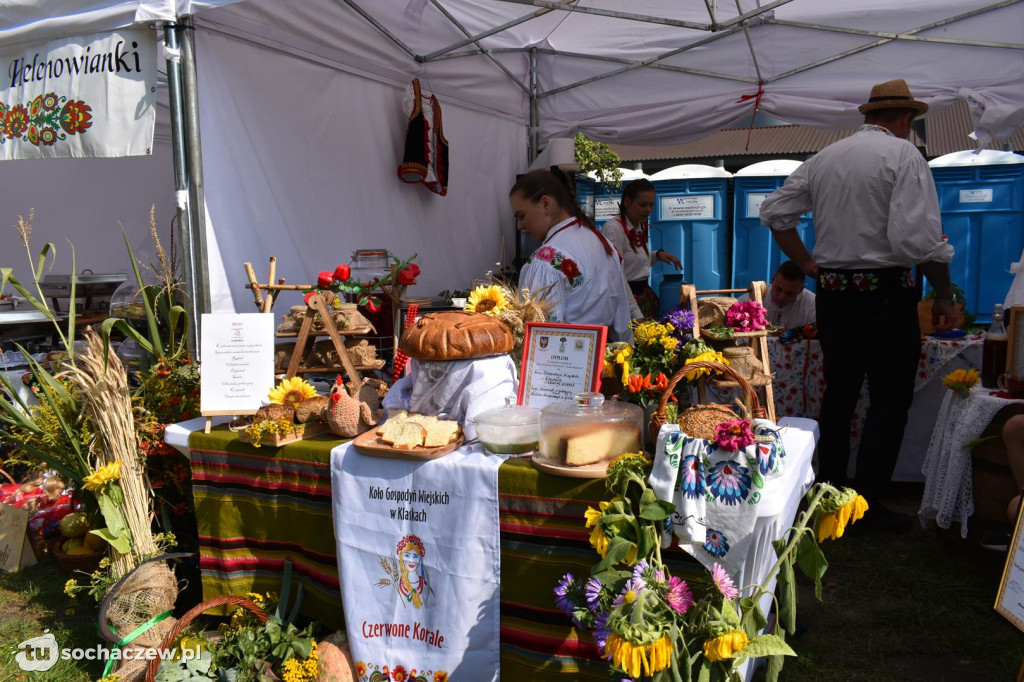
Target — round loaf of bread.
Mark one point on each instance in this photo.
(456, 335)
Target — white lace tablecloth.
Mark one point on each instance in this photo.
(948, 490)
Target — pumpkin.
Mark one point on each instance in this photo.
(335, 659)
(74, 525)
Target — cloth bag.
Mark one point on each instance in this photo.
(716, 491)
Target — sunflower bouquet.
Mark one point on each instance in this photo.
(513, 307)
(277, 420)
(961, 381)
(652, 626)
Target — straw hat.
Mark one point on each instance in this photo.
(894, 94)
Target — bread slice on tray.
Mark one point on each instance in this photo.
(442, 432)
(410, 436)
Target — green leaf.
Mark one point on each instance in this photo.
(756, 477)
(811, 560)
(155, 345)
(729, 614)
(131, 332)
(121, 543)
(766, 645)
(659, 510)
(705, 670)
(112, 515)
(787, 595)
(753, 620)
(774, 668)
(48, 248)
(618, 548)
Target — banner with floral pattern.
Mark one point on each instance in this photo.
(84, 96)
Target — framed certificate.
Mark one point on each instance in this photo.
(1015, 351)
(559, 361)
(1010, 598)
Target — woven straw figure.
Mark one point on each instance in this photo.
(345, 414)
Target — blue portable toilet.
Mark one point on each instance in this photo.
(981, 197)
(689, 220)
(586, 187)
(606, 199)
(755, 255)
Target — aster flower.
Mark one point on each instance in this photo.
(679, 596)
(592, 592)
(638, 570)
(734, 435)
(631, 592)
(723, 582)
(601, 630)
(562, 593)
(682, 322)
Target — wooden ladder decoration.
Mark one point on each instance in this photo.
(316, 305)
(756, 290)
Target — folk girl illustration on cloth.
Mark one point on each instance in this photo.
(407, 572)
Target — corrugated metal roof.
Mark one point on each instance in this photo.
(945, 132)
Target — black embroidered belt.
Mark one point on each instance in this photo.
(882, 280)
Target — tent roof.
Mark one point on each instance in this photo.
(656, 72)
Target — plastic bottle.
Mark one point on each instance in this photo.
(993, 352)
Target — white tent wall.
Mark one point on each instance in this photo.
(86, 201)
(300, 162)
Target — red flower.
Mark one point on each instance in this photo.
(342, 272)
(373, 305)
(861, 282)
(75, 117)
(408, 274)
(569, 268)
(16, 121)
(325, 279)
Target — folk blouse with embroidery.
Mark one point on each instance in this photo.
(584, 282)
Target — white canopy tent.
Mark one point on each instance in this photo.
(302, 129)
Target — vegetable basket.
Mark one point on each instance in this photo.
(195, 612)
(705, 417)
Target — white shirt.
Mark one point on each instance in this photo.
(636, 264)
(797, 314)
(581, 279)
(874, 203)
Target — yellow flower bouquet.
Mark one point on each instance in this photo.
(961, 381)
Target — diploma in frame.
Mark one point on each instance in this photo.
(1010, 598)
(559, 361)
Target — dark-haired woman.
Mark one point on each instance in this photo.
(575, 265)
(628, 232)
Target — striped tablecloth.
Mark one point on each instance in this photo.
(255, 507)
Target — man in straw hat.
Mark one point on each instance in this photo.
(876, 216)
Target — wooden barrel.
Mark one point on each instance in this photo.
(994, 485)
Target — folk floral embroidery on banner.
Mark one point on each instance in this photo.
(716, 543)
(729, 482)
(372, 672)
(46, 120)
(558, 260)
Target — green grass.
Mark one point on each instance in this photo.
(33, 600)
(912, 606)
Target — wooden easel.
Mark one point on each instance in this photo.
(756, 290)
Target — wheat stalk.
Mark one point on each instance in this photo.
(103, 384)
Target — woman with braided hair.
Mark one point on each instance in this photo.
(575, 266)
(414, 585)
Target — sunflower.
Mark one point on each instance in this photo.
(490, 300)
(638, 659)
(105, 474)
(724, 646)
(292, 392)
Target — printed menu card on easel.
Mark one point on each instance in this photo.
(237, 362)
(559, 361)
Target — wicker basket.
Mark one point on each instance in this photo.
(658, 418)
(195, 612)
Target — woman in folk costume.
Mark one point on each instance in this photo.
(575, 268)
(414, 585)
(628, 232)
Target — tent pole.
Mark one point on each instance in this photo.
(532, 140)
(179, 154)
(196, 195)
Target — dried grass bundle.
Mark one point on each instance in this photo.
(523, 306)
(103, 384)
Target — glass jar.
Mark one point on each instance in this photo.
(589, 430)
(369, 265)
(509, 430)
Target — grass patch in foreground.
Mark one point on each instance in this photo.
(33, 600)
(916, 606)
